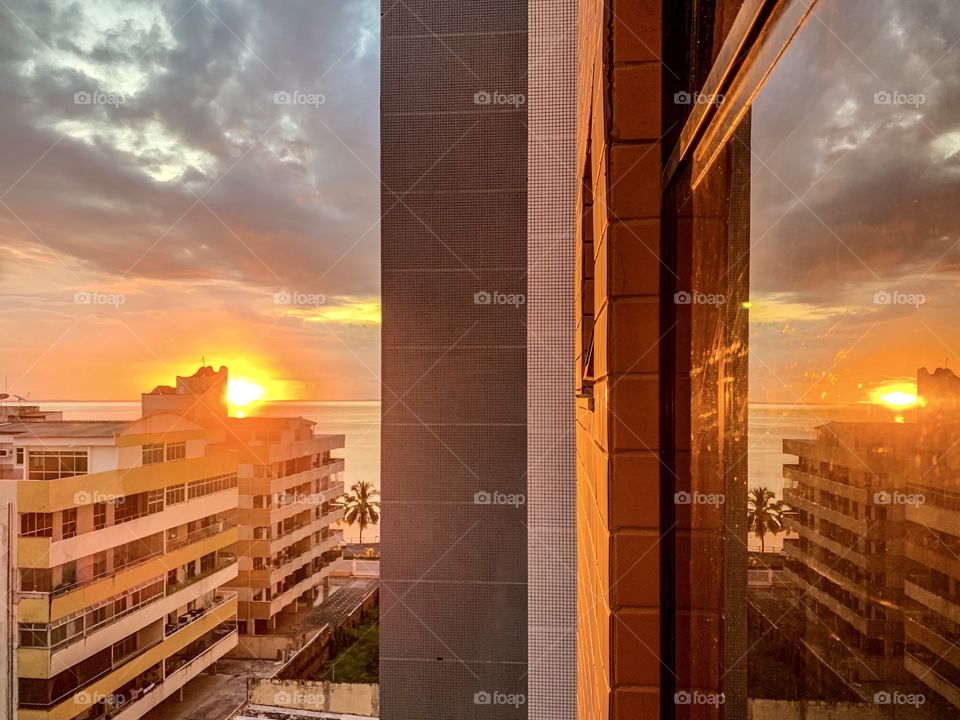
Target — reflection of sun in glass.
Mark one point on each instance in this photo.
(896, 395)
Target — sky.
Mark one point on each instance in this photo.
(856, 194)
(193, 180)
(189, 180)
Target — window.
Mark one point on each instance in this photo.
(176, 494)
(55, 464)
(207, 486)
(99, 515)
(100, 564)
(176, 451)
(154, 501)
(36, 525)
(124, 648)
(33, 635)
(585, 267)
(19, 456)
(815, 237)
(152, 453)
(69, 519)
(258, 563)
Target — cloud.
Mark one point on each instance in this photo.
(175, 174)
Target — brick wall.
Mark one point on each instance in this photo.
(618, 436)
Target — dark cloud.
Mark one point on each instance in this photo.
(878, 182)
(288, 191)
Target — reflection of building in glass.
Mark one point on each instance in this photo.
(932, 547)
(876, 562)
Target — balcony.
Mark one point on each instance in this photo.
(60, 494)
(46, 607)
(931, 600)
(795, 476)
(199, 534)
(925, 671)
(77, 700)
(40, 552)
(273, 485)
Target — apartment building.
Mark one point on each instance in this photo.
(848, 562)
(932, 545)
(288, 483)
(877, 562)
(118, 540)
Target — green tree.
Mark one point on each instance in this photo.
(361, 505)
(764, 514)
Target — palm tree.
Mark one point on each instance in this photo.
(362, 505)
(764, 513)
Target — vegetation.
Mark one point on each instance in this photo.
(764, 514)
(359, 659)
(361, 505)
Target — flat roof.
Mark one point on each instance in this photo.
(66, 428)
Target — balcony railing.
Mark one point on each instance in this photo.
(216, 528)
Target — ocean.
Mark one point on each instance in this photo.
(359, 421)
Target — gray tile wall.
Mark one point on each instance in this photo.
(454, 204)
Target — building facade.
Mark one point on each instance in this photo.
(878, 517)
(848, 562)
(118, 539)
(288, 484)
(478, 569)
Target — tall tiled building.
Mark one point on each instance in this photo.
(118, 539)
(477, 571)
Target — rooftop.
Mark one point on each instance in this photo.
(66, 428)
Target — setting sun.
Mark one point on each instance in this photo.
(896, 395)
(241, 393)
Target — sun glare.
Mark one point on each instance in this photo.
(242, 393)
(897, 395)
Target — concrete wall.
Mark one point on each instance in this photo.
(347, 698)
